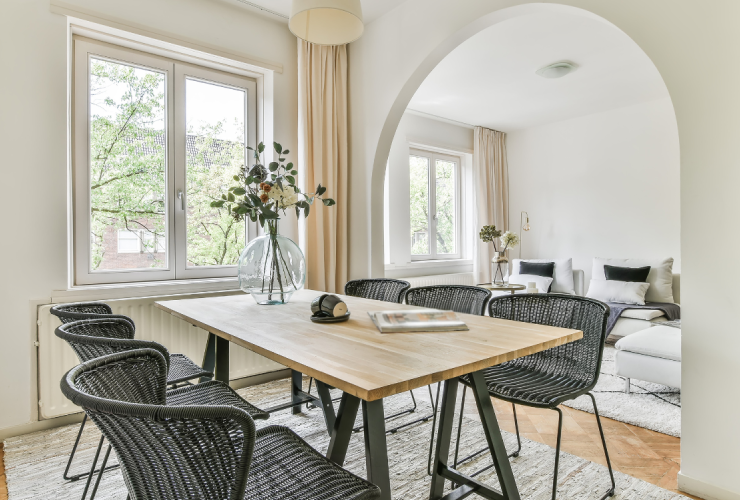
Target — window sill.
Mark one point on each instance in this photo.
(418, 264)
(146, 289)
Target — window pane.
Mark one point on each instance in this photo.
(419, 177)
(215, 153)
(445, 193)
(127, 165)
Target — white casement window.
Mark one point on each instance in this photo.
(155, 141)
(434, 200)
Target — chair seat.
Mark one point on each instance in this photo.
(212, 393)
(530, 387)
(285, 467)
(182, 368)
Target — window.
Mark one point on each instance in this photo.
(155, 141)
(434, 189)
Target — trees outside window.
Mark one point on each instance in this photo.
(434, 200)
(156, 141)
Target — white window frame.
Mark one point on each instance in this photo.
(175, 224)
(433, 156)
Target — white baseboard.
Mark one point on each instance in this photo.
(704, 490)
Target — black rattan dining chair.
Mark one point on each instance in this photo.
(182, 368)
(548, 378)
(459, 298)
(94, 338)
(198, 452)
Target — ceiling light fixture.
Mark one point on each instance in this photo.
(326, 22)
(557, 70)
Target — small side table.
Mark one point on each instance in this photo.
(503, 288)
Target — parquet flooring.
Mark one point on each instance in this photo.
(644, 454)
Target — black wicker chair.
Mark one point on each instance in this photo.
(182, 368)
(458, 298)
(110, 334)
(384, 289)
(198, 452)
(548, 378)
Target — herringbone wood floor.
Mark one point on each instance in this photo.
(644, 454)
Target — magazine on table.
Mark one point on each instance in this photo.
(425, 320)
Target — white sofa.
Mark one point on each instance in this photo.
(653, 355)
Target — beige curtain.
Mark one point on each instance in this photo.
(490, 173)
(322, 149)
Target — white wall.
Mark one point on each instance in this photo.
(33, 139)
(421, 130)
(398, 50)
(602, 185)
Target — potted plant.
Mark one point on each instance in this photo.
(272, 266)
(499, 262)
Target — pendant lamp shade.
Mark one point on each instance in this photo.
(326, 22)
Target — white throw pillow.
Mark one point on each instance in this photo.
(644, 314)
(543, 282)
(660, 277)
(562, 274)
(622, 292)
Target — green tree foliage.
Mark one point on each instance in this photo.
(128, 165)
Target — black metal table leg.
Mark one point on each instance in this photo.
(376, 449)
(467, 485)
(342, 431)
(326, 405)
(493, 436)
(444, 434)
(296, 388)
(209, 357)
(222, 360)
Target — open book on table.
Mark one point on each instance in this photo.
(418, 320)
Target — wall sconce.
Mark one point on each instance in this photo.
(523, 226)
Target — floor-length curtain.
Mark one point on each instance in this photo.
(490, 173)
(322, 149)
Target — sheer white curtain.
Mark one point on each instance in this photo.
(322, 149)
(491, 178)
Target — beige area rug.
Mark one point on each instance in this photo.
(35, 462)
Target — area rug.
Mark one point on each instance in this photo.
(651, 406)
(35, 462)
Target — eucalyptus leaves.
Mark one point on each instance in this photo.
(264, 192)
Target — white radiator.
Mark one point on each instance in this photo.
(442, 279)
(55, 357)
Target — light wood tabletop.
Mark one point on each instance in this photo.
(354, 356)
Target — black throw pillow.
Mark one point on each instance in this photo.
(546, 269)
(634, 274)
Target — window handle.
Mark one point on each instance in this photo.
(181, 199)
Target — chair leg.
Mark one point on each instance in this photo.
(72, 455)
(606, 452)
(398, 428)
(92, 469)
(518, 437)
(77, 477)
(557, 453)
(100, 474)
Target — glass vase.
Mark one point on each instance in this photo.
(499, 269)
(272, 267)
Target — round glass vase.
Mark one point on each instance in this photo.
(499, 269)
(272, 267)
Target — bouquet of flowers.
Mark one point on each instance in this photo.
(499, 263)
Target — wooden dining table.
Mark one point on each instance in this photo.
(368, 366)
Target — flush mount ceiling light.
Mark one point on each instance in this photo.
(326, 22)
(556, 70)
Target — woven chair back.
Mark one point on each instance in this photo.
(387, 290)
(77, 311)
(458, 298)
(92, 338)
(166, 452)
(579, 360)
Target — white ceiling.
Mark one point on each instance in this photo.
(490, 79)
(371, 9)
